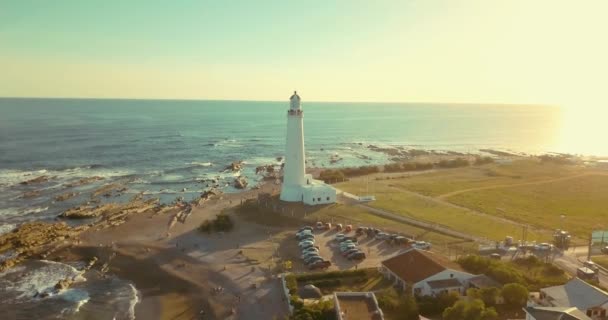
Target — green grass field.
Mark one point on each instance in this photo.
(357, 216)
(583, 201)
(493, 201)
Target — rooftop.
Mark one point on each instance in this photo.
(576, 293)
(357, 306)
(556, 313)
(445, 283)
(416, 265)
(482, 281)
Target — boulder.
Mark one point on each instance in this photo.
(63, 284)
(234, 166)
(240, 183)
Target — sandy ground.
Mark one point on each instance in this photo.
(175, 269)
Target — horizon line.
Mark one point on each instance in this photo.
(286, 100)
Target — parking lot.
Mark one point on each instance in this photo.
(375, 250)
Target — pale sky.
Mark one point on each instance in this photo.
(549, 52)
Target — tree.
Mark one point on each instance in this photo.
(515, 295)
(487, 295)
(408, 310)
(469, 310)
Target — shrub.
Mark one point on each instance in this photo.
(331, 275)
(437, 304)
(291, 283)
(515, 295)
(552, 270)
(222, 222)
(469, 310)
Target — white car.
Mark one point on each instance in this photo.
(339, 237)
(382, 236)
(422, 245)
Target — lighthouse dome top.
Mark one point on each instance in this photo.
(294, 101)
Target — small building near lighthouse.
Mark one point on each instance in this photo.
(297, 185)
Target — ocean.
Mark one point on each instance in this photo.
(170, 149)
(165, 148)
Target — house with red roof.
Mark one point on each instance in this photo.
(426, 273)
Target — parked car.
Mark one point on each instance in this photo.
(543, 247)
(306, 236)
(306, 244)
(339, 237)
(361, 230)
(321, 264)
(319, 225)
(422, 245)
(310, 249)
(308, 255)
(401, 240)
(381, 236)
(304, 232)
(347, 252)
(605, 250)
(348, 228)
(348, 247)
(352, 239)
(309, 228)
(346, 243)
(312, 259)
(356, 256)
(327, 226)
(339, 227)
(591, 265)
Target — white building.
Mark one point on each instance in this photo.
(425, 273)
(297, 185)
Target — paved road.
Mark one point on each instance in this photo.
(573, 259)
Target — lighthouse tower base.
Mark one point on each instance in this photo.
(314, 192)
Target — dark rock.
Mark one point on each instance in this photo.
(240, 183)
(65, 196)
(37, 180)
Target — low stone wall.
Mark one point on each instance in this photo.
(286, 293)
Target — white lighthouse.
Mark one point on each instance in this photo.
(297, 185)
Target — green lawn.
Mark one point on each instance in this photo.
(395, 199)
(449, 180)
(583, 200)
(508, 195)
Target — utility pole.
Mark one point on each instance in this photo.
(589, 249)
